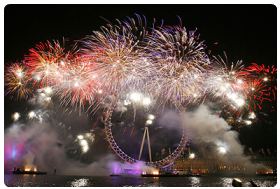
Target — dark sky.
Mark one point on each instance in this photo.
(246, 32)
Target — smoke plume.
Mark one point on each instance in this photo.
(38, 145)
(211, 135)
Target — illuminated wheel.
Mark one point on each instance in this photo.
(143, 137)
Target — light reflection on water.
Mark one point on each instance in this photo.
(226, 181)
(81, 181)
(195, 181)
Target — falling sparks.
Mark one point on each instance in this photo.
(84, 140)
(163, 65)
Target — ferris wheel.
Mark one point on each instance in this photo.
(142, 128)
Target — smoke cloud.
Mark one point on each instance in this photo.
(211, 135)
(39, 145)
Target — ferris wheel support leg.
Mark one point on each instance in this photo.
(149, 145)
(142, 144)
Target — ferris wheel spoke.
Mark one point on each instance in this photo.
(125, 157)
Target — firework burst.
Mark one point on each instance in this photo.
(45, 61)
(16, 81)
(121, 63)
(180, 60)
(262, 86)
(167, 65)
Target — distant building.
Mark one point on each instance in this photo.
(204, 166)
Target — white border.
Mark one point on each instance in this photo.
(5, 2)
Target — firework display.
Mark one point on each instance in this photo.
(166, 64)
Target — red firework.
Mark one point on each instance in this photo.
(258, 93)
(261, 82)
(45, 61)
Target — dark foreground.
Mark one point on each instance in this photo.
(57, 180)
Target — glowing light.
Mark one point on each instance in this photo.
(37, 77)
(62, 63)
(80, 182)
(16, 116)
(80, 137)
(248, 122)
(232, 96)
(236, 99)
(227, 85)
(151, 117)
(146, 101)
(239, 81)
(149, 122)
(222, 150)
(76, 84)
(240, 102)
(19, 73)
(84, 145)
(223, 88)
(135, 96)
(265, 79)
(155, 172)
(48, 99)
(48, 90)
(192, 156)
(85, 149)
(126, 102)
(252, 115)
(83, 142)
(31, 115)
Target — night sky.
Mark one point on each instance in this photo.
(246, 32)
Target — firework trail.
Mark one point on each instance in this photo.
(128, 61)
(181, 62)
(224, 83)
(121, 63)
(261, 84)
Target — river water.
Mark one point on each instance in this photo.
(59, 180)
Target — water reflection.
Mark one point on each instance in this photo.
(226, 181)
(80, 182)
(57, 180)
(195, 181)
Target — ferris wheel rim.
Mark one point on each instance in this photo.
(166, 161)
